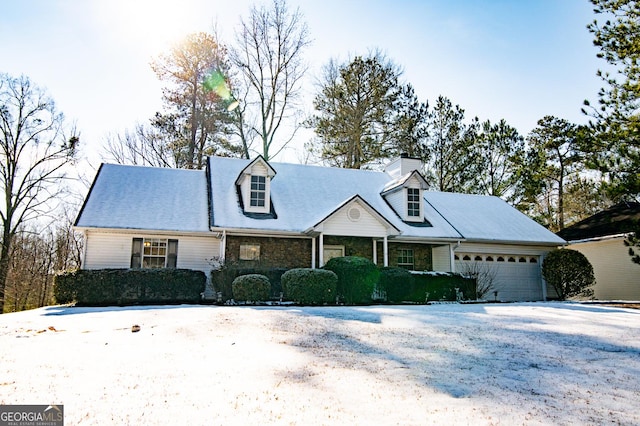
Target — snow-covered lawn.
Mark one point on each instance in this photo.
(538, 363)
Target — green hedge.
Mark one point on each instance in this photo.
(397, 283)
(310, 286)
(357, 278)
(222, 279)
(251, 288)
(436, 286)
(100, 287)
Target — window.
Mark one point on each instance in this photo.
(478, 258)
(413, 202)
(405, 258)
(154, 253)
(258, 191)
(249, 252)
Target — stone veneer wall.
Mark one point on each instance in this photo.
(274, 252)
(422, 257)
(353, 246)
(296, 252)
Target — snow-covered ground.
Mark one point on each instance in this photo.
(507, 364)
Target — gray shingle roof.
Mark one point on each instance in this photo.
(148, 198)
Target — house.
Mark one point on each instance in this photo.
(601, 239)
(292, 215)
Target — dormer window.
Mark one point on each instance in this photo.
(254, 187)
(405, 196)
(258, 191)
(413, 202)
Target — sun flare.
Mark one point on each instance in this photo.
(151, 25)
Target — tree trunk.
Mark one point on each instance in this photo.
(4, 266)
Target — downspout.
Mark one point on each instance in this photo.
(385, 251)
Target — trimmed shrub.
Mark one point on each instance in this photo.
(64, 287)
(310, 286)
(103, 287)
(222, 278)
(569, 273)
(251, 288)
(397, 283)
(357, 277)
(441, 286)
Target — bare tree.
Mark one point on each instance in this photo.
(483, 273)
(141, 146)
(34, 153)
(268, 56)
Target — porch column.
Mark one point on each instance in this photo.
(313, 253)
(375, 251)
(223, 245)
(452, 259)
(385, 252)
(321, 250)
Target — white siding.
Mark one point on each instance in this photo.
(397, 201)
(366, 226)
(441, 258)
(113, 250)
(617, 277)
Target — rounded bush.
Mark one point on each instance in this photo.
(357, 278)
(569, 273)
(251, 288)
(310, 286)
(397, 283)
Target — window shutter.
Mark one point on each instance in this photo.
(172, 254)
(136, 253)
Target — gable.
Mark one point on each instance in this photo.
(356, 218)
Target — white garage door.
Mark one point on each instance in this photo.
(514, 277)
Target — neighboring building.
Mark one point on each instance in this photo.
(291, 215)
(601, 239)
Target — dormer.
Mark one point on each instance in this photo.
(406, 196)
(254, 186)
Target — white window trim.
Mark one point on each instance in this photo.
(419, 217)
(249, 252)
(332, 247)
(413, 258)
(267, 195)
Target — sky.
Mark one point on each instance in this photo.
(517, 60)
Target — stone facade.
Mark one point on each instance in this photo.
(274, 252)
(353, 246)
(422, 256)
(296, 252)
